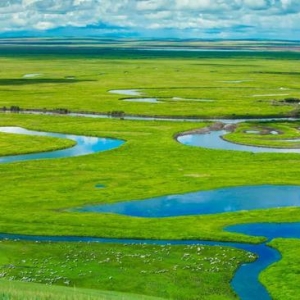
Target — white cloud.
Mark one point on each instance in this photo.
(139, 15)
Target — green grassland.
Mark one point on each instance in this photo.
(36, 196)
(247, 85)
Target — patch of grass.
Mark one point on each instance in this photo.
(14, 290)
(20, 144)
(282, 278)
(262, 134)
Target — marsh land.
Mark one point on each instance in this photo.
(44, 83)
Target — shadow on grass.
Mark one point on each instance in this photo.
(25, 81)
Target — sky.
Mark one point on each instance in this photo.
(183, 19)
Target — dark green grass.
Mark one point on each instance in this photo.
(171, 272)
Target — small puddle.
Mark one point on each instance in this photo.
(252, 131)
(143, 100)
(274, 132)
(126, 92)
(192, 99)
(32, 75)
(234, 81)
(269, 95)
(99, 186)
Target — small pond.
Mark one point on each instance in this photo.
(126, 92)
(143, 100)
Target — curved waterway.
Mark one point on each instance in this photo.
(214, 140)
(84, 145)
(245, 282)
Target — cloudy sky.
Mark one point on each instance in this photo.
(271, 19)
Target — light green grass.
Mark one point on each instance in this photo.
(14, 290)
(20, 144)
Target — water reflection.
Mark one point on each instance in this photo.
(206, 202)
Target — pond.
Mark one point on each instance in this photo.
(205, 202)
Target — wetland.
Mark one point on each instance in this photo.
(151, 164)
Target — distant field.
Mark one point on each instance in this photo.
(236, 83)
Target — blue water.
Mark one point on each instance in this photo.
(213, 140)
(84, 145)
(268, 230)
(205, 202)
(99, 186)
(244, 282)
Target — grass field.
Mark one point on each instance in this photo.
(35, 196)
(240, 84)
